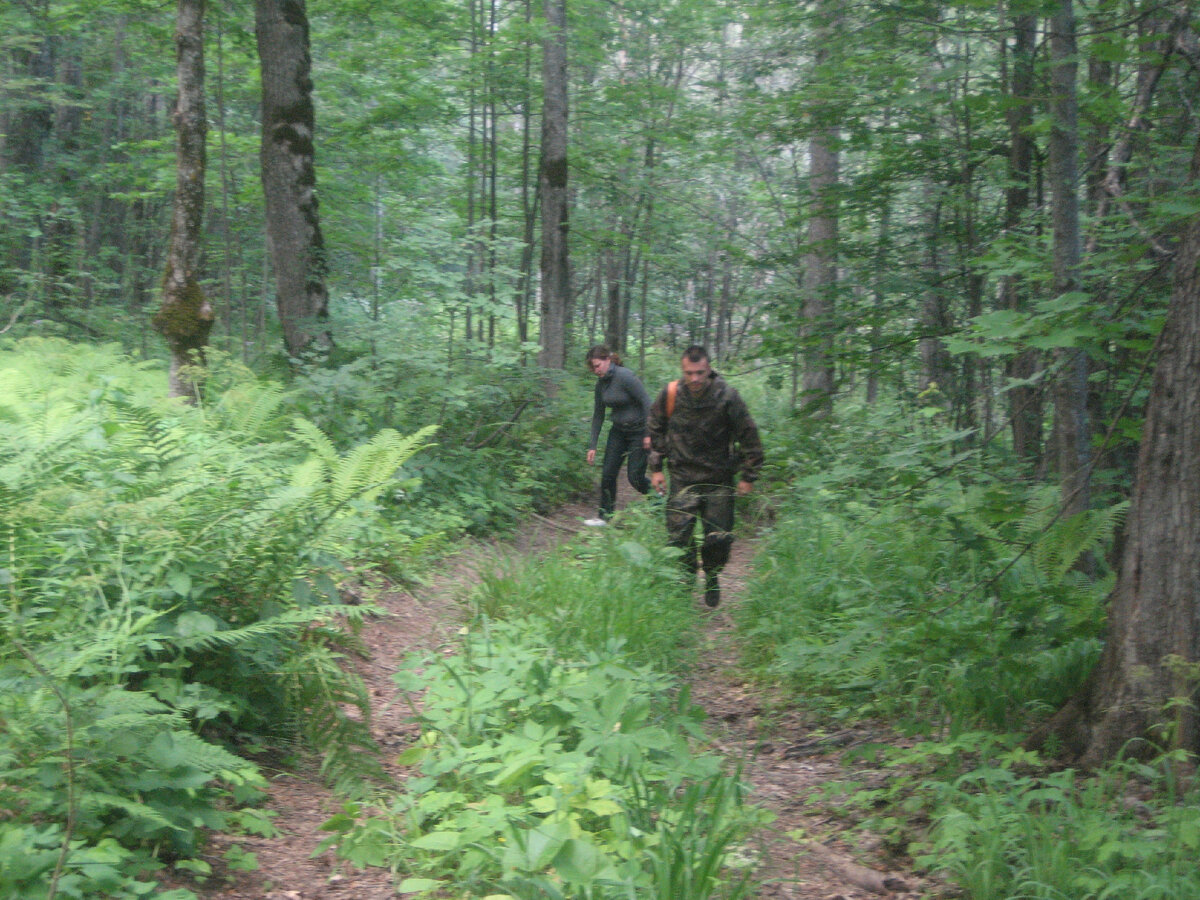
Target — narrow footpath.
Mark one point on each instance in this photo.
(806, 854)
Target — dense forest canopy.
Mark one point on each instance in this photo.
(691, 128)
(951, 248)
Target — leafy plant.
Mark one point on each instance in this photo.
(1123, 832)
(538, 773)
(917, 583)
(166, 585)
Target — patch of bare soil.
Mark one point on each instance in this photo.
(784, 765)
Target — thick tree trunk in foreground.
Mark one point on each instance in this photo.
(552, 180)
(1143, 693)
(186, 317)
(289, 176)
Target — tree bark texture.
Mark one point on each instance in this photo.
(1071, 422)
(1024, 400)
(289, 175)
(820, 269)
(937, 374)
(1145, 685)
(186, 317)
(552, 182)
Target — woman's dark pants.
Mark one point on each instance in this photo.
(622, 443)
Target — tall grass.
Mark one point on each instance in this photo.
(920, 583)
(1126, 832)
(613, 587)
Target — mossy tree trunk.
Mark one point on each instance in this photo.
(186, 317)
(289, 175)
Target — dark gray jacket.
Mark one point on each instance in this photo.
(621, 392)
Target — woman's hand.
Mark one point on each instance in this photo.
(591, 457)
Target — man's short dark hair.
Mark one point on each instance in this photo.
(695, 353)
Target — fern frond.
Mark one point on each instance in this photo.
(117, 702)
(321, 691)
(284, 623)
(1059, 547)
(308, 434)
(366, 469)
(207, 757)
(251, 409)
(96, 801)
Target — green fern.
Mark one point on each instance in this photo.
(251, 410)
(98, 801)
(1059, 545)
(363, 472)
(284, 623)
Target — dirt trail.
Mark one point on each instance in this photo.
(742, 723)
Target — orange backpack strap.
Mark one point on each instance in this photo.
(672, 388)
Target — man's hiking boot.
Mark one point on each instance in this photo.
(594, 523)
(712, 590)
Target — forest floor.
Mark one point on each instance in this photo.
(809, 852)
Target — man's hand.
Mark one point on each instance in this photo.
(646, 442)
(744, 487)
(658, 481)
(591, 457)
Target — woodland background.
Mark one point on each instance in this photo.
(947, 251)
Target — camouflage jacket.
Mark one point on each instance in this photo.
(708, 438)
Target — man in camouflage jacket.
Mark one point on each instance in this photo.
(702, 429)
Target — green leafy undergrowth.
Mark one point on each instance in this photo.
(955, 609)
(1127, 832)
(613, 585)
(169, 579)
(511, 437)
(538, 775)
(991, 818)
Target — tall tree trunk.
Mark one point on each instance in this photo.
(1143, 693)
(528, 197)
(24, 133)
(552, 181)
(936, 375)
(820, 275)
(1024, 399)
(226, 236)
(289, 175)
(1072, 428)
(820, 268)
(472, 173)
(186, 317)
(610, 271)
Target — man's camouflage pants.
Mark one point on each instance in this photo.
(712, 505)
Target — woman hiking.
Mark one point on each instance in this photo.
(619, 390)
